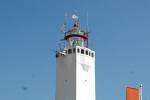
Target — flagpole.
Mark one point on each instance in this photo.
(141, 91)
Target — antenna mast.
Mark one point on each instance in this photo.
(87, 21)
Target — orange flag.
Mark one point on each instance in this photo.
(132, 93)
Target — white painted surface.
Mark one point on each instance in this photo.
(75, 77)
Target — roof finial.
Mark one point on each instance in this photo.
(74, 17)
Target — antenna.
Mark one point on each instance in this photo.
(65, 18)
(87, 21)
(64, 26)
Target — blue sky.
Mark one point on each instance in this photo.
(30, 32)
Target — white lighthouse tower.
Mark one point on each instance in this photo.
(75, 70)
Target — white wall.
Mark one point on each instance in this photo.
(75, 81)
(85, 82)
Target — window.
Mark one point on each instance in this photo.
(89, 53)
(57, 55)
(78, 50)
(74, 50)
(69, 51)
(82, 51)
(92, 55)
(86, 52)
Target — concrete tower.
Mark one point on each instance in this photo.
(75, 71)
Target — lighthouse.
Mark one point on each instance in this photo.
(75, 65)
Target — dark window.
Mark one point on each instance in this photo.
(92, 55)
(57, 55)
(89, 53)
(86, 52)
(78, 50)
(82, 51)
(69, 51)
(74, 50)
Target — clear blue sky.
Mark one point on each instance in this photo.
(30, 31)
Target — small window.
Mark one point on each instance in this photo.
(74, 50)
(82, 51)
(78, 50)
(57, 55)
(66, 51)
(69, 51)
(89, 53)
(86, 52)
(92, 55)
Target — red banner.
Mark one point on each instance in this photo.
(132, 93)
